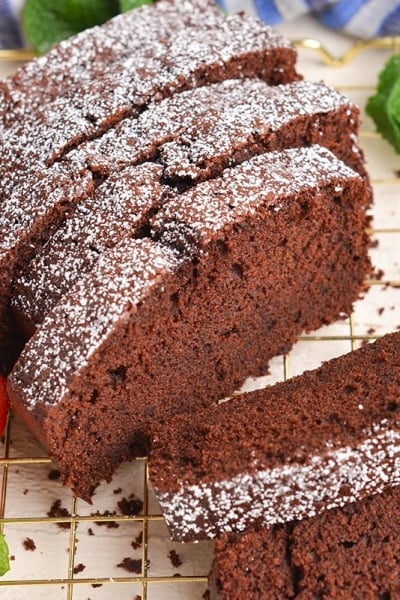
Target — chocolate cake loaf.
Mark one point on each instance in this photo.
(194, 135)
(345, 553)
(65, 98)
(320, 440)
(142, 336)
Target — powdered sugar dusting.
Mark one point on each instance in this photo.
(100, 53)
(87, 315)
(291, 491)
(29, 199)
(264, 181)
(173, 48)
(198, 126)
(117, 209)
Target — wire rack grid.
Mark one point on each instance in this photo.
(63, 549)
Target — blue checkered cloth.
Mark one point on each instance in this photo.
(360, 18)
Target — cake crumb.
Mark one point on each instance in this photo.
(378, 274)
(175, 559)
(108, 524)
(90, 531)
(29, 544)
(54, 475)
(131, 506)
(57, 510)
(132, 565)
(79, 568)
(97, 585)
(117, 491)
(137, 542)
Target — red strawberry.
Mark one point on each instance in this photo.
(4, 403)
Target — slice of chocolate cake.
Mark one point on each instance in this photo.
(345, 553)
(320, 440)
(273, 246)
(176, 43)
(97, 52)
(194, 135)
(200, 52)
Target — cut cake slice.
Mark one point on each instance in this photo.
(173, 40)
(320, 440)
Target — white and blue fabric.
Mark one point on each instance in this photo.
(10, 31)
(359, 18)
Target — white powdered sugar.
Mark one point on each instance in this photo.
(211, 121)
(116, 210)
(107, 296)
(288, 492)
(262, 182)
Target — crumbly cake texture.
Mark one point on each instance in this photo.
(193, 136)
(352, 552)
(103, 352)
(94, 80)
(320, 440)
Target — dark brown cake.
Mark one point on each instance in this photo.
(242, 264)
(30, 210)
(194, 135)
(203, 49)
(120, 207)
(88, 84)
(341, 554)
(320, 440)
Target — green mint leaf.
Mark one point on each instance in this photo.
(47, 22)
(4, 559)
(131, 4)
(384, 106)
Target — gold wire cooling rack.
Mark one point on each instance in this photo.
(119, 548)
